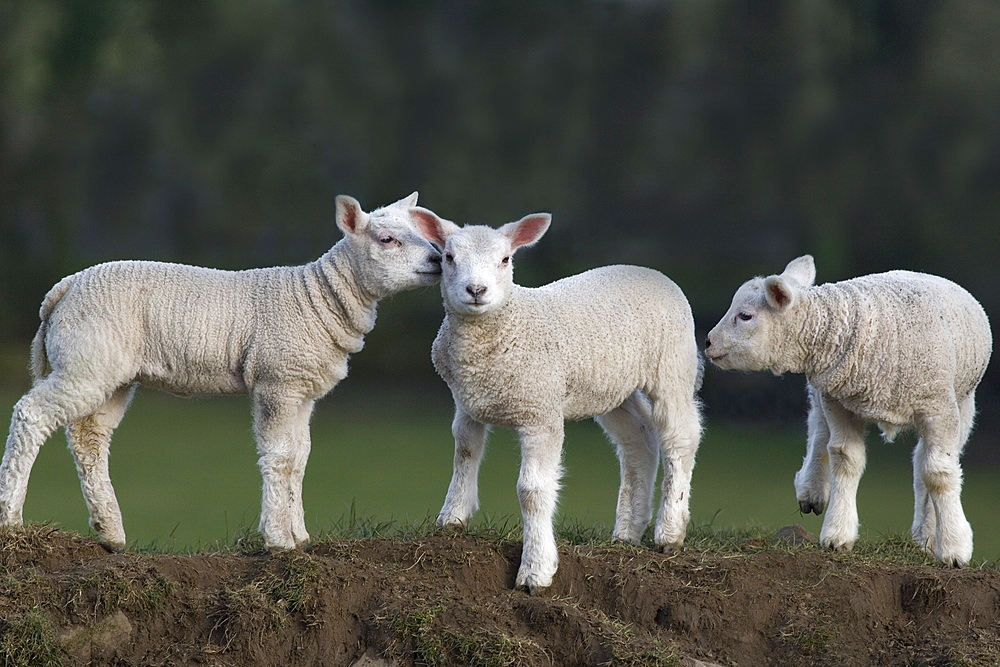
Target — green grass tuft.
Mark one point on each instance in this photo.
(27, 639)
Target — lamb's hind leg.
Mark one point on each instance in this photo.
(90, 441)
(50, 404)
(943, 436)
(630, 428)
(678, 421)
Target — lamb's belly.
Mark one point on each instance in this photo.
(512, 407)
(888, 418)
(585, 403)
(188, 381)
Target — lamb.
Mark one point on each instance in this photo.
(615, 343)
(900, 349)
(282, 335)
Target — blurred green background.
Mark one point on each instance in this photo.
(710, 140)
(186, 476)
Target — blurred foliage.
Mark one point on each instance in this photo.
(712, 140)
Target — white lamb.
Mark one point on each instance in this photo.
(616, 343)
(282, 335)
(900, 349)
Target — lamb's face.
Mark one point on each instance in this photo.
(398, 258)
(389, 255)
(477, 270)
(759, 331)
(742, 339)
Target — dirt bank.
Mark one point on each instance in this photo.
(448, 600)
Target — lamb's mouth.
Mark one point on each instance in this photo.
(717, 358)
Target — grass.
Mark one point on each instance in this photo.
(29, 639)
(186, 475)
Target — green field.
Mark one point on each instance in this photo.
(186, 476)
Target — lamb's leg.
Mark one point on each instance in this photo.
(281, 424)
(943, 436)
(846, 450)
(630, 428)
(90, 441)
(462, 500)
(50, 404)
(679, 424)
(538, 491)
(812, 481)
(924, 519)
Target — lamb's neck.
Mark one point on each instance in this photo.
(827, 338)
(336, 294)
(485, 331)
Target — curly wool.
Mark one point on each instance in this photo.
(281, 334)
(894, 344)
(578, 347)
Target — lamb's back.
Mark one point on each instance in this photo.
(182, 328)
(912, 338)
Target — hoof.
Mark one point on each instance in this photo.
(536, 590)
(451, 528)
(670, 549)
(809, 508)
(113, 547)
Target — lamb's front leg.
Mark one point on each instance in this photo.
(462, 500)
(812, 481)
(281, 424)
(538, 491)
(846, 450)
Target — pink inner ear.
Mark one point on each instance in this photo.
(428, 226)
(529, 231)
(779, 295)
(350, 219)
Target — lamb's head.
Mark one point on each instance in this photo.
(760, 330)
(387, 253)
(477, 271)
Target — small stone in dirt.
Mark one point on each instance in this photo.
(371, 660)
(692, 662)
(796, 535)
(100, 639)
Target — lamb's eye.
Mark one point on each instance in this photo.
(386, 239)
(505, 261)
(745, 317)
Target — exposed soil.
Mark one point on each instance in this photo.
(449, 600)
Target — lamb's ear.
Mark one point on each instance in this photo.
(350, 218)
(527, 230)
(408, 202)
(801, 270)
(780, 292)
(432, 227)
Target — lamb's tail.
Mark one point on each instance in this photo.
(39, 360)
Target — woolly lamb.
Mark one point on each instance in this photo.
(616, 343)
(282, 335)
(900, 349)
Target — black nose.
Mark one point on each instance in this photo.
(435, 258)
(708, 343)
(476, 290)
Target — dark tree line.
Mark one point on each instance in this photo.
(711, 140)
